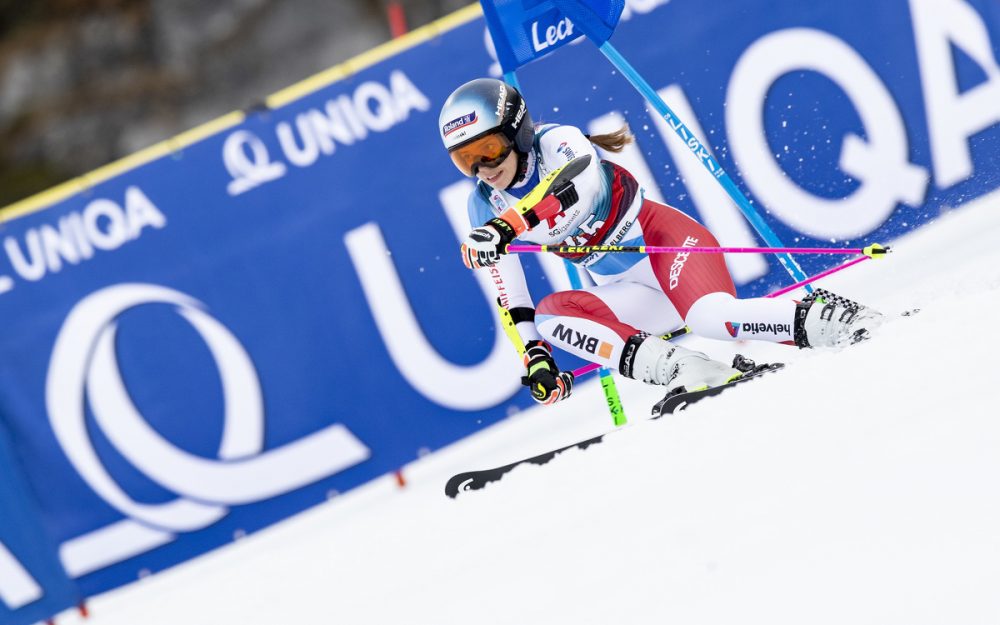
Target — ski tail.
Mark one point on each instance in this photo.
(475, 480)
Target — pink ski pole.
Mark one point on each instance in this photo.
(872, 250)
(822, 274)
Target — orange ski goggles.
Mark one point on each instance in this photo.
(489, 150)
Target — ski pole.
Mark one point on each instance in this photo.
(818, 276)
(510, 329)
(698, 149)
(611, 396)
(871, 251)
(607, 382)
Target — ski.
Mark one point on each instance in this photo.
(680, 401)
(475, 480)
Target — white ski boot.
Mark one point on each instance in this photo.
(824, 319)
(656, 361)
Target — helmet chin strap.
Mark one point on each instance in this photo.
(523, 161)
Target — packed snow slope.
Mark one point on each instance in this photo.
(858, 486)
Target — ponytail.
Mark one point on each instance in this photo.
(612, 141)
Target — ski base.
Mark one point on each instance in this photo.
(680, 401)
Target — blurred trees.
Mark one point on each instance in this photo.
(84, 82)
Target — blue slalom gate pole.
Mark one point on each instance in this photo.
(704, 156)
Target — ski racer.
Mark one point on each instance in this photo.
(523, 193)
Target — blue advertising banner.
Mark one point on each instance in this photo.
(221, 336)
(33, 585)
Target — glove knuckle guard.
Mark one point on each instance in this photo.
(481, 236)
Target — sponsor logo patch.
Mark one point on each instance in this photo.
(460, 122)
(678, 265)
(550, 30)
(589, 344)
(520, 114)
(736, 327)
(628, 354)
(502, 101)
(566, 151)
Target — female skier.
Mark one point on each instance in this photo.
(522, 193)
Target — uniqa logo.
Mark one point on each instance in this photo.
(344, 120)
(84, 368)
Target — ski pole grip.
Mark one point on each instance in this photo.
(510, 328)
(876, 251)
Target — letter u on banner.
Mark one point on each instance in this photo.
(474, 387)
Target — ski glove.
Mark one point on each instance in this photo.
(547, 383)
(484, 245)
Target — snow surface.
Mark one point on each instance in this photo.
(860, 487)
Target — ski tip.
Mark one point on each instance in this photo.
(461, 483)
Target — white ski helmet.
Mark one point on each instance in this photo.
(482, 107)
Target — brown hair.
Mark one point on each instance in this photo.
(612, 141)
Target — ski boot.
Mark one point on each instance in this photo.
(824, 319)
(656, 361)
(680, 398)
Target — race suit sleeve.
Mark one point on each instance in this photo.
(565, 143)
(507, 275)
